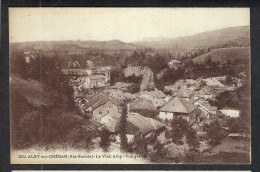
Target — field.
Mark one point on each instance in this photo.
(224, 54)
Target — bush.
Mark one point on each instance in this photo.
(140, 146)
(159, 152)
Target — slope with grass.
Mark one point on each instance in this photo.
(31, 90)
(224, 54)
(38, 121)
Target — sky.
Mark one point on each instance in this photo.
(124, 24)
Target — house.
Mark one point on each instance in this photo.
(105, 71)
(122, 86)
(213, 82)
(173, 62)
(179, 107)
(103, 108)
(141, 104)
(204, 93)
(90, 63)
(137, 126)
(233, 113)
(115, 93)
(79, 94)
(95, 81)
(144, 94)
(206, 108)
(146, 127)
(83, 72)
(73, 64)
(193, 88)
(128, 96)
(172, 88)
(28, 57)
(157, 97)
(185, 94)
(158, 94)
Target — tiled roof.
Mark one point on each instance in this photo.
(205, 91)
(184, 93)
(144, 124)
(135, 123)
(207, 105)
(171, 87)
(141, 104)
(178, 105)
(93, 77)
(99, 99)
(157, 93)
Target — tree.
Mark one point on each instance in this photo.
(208, 60)
(105, 140)
(214, 132)
(226, 99)
(179, 126)
(188, 74)
(116, 75)
(228, 63)
(157, 63)
(203, 83)
(192, 139)
(229, 80)
(122, 131)
(171, 75)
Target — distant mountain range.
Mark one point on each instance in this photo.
(239, 34)
(113, 45)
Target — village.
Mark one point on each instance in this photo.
(150, 113)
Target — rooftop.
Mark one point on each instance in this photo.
(99, 99)
(141, 104)
(95, 77)
(135, 123)
(157, 93)
(178, 105)
(144, 124)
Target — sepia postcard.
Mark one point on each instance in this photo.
(130, 85)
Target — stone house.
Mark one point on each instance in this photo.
(103, 108)
(95, 81)
(179, 107)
